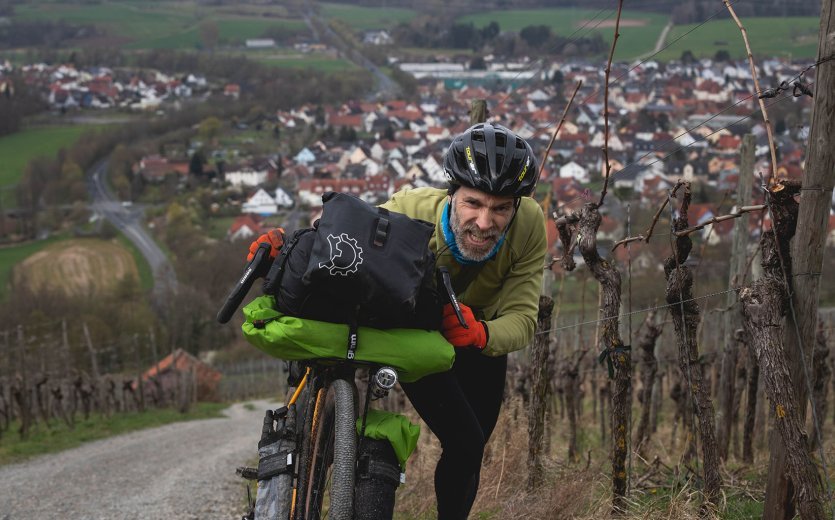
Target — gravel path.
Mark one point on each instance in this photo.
(183, 470)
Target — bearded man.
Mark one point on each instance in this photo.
(491, 236)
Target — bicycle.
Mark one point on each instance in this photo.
(315, 452)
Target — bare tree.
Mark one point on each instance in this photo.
(685, 313)
(764, 305)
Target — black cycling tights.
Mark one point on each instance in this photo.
(461, 408)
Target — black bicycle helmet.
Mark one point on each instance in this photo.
(493, 159)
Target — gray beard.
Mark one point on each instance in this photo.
(476, 254)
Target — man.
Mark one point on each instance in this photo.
(491, 236)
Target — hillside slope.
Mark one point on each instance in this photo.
(77, 267)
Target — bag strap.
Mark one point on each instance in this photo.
(273, 280)
(465, 277)
(381, 230)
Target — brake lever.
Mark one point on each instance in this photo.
(447, 281)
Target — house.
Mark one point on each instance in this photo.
(379, 37)
(283, 199)
(311, 190)
(305, 156)
(260, 43)
(232, 90)
(246, 177)
(154, 168)
(245, 227)
(261, 203)
(169, 373)
(572, 170)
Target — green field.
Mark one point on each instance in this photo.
(638, 32)
(367, 17)
(20, 148)
(146, 276)
(230, 32)
(784, 37)
(170, 25)
(320, 63)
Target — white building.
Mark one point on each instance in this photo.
(572, 170)
(246, 177)
(283, 199)
(261, 203)
(260, 43)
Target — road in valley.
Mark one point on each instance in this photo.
(385, 87)
(128, 220)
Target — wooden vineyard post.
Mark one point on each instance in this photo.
(724, 415)
(807, 251)
(539, 392)
(763, 306)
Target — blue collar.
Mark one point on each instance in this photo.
(449, 238)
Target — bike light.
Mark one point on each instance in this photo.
(385, 378)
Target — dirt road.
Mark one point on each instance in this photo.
(184, 470)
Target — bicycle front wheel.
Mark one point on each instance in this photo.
(333, 452)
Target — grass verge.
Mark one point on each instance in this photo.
(59, 437)
(19, 148)
(146, 276)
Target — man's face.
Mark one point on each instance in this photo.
(478, 220)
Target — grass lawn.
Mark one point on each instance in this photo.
(230, 32)
(146, 276)
(19, 148)
(638, 31)
(302, 61)
(367, 17)
(217, 227)
(165, 25)
(123, 21)
(59, 437)
(794, 37)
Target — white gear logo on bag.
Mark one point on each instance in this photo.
(345, 255)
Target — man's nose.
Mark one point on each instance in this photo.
(484, 220)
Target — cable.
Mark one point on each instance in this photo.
(640, 311)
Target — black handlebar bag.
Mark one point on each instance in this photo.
(364, 265)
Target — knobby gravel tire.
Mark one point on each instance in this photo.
(333, 455)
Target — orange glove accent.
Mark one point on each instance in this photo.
(474, 336)
(274, 237)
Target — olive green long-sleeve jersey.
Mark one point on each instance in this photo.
(506, 290)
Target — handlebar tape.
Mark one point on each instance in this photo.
(253, 270)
